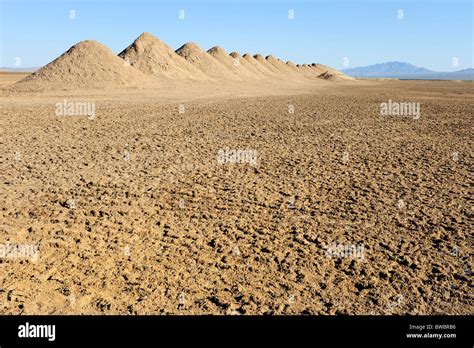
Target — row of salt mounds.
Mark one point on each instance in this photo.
(148, 60)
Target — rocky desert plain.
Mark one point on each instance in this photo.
(162, 181)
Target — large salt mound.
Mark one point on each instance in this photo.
(204, 61)
(87, 64)
(153, 57)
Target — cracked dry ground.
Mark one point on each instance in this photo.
(159, 226)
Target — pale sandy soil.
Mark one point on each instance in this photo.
(133, 213)
(8, 78)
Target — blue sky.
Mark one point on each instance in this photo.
(432, 33)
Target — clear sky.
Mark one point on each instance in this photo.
(432, 33)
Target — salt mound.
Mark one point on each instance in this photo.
(334, 76)
(217, 51)
(259, 58)
(278, 64)
(221, 55)
(234, 64)
(306, 71)
(256, 65)
(326, 76)
(235, 55)
(272, 60)
(320, 68)
(203, 61)
(87, 64)
(153, 57)
(244, 62)
(329, 73)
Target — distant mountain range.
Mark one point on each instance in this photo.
(18, 69)
(401, 70)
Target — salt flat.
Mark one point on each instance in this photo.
(345, 211)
